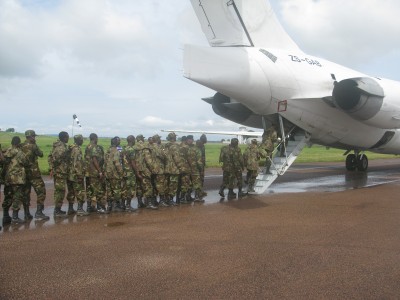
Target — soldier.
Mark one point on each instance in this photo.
(96, 189)
(15, 177)
(251, 157)
(129, 164)
(33, 177)
(201, 145)
(114, 175)
(158, 169)
(139, 179)
(172, 167)
(197, 168)
(1, 173)
(144, 163)
(59, 163)
(186, 184)
(232, 166)
(269, 137)
(77, 175)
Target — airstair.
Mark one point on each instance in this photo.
(284, 155)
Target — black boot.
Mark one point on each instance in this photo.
(118, 206)
(6, 216)
(178, 197)
(27, 214)
(150, 203)
(80, 211)
(39, 215)
(89, 208)
(15, 219)
(58, 213)
(101, 209)
(140, 202)
(170, 201)
(198, 196)
(221, 191)
(71, 210)
(122, 205)
(109, 205)
(240, 193)
(163, 202)
(231, 194)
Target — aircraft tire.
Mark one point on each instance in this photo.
(351, 162)
(362, 163)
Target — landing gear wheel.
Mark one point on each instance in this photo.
(362, 162)
(351, 162)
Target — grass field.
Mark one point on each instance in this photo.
(314, 154)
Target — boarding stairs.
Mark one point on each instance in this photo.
(281, 160)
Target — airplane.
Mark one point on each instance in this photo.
(243, 135)
(262, 78)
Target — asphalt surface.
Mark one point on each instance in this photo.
(319, 232)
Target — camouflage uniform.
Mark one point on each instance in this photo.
(144, 163)
(129, 182)
(172, 166)
(269, 137)
(114, 175)
(33, 176)
(15, 179)
(185, 170)
(96, 185)
(76, 175)
(232, 166)
(196, 168)
(59, 163)
(158, 170)
(251, 157)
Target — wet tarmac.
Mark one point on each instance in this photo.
(318, 232)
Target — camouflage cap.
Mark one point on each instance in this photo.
(189, 137)
(140, 137)
(78, 136)
(30, 133)
(171, 136)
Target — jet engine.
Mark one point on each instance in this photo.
(361, 98)
(233, 110)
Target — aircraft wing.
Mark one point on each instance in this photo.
(249, 23)
(239, 133)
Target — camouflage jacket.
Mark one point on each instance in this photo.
(59, 158)
(2, 169)
(76, 164)
(269, 137)
(144, 159)
(32, 152)
(16, 162)
(128, 155)
(158, 159)
(194, 160)
(185, 167)
(231, 159)
(173, 158)
(113, 164)
(94, 151)
(252, 155)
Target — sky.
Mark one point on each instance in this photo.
(117, 64)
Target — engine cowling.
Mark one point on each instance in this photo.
(361, 98)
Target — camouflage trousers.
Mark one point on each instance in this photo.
(114, 189)
(196, 182)
(15, 196)
(251, 177)
(96, 191)
(146, 188)
(159, 184)
(129, 187)
(38, 187)
(60, 184)
(7, 197)
(172, 184)
(231, 179)
(76, 189)
(186, 183)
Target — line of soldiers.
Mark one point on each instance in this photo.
(153, 172)
(234, 163)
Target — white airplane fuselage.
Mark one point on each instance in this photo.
(299, 87)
